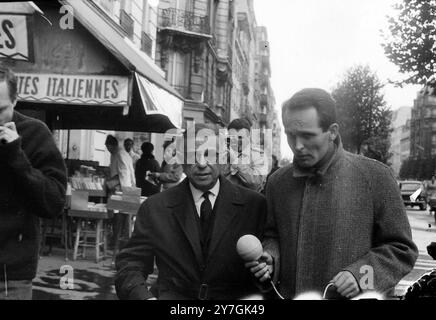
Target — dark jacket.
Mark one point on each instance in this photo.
(144, 164)
(166, 230)
(32, 185)
(349, 216)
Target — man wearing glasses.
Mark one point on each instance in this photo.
(32, 185)
(192, 230)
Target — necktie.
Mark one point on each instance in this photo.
(205, 222)
(205, 213)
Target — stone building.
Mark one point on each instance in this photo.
(400, 118)
(423, 125)
(194, 49)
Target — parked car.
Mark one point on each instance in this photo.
(431, 197)
(408, 188)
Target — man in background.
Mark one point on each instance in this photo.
(121, 164)
(122, 174)
(128, 146)
(32, 185)
(247, 166)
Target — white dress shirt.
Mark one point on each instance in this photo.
(197, 195)
(122, 165)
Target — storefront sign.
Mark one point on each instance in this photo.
(15, 37)
(73, 89)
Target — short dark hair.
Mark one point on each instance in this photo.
(111, 141)
(320, 99)
(128, 140)
(7, 75)
(147, 147)
(239, 124)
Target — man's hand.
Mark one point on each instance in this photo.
(154, 175)
(8, 133)
(346, 285)
(262, 268)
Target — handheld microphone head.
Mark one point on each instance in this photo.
(249, 248)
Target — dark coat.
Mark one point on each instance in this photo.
(166, 230)
(32, 185)
(143, 165)
(349, 218)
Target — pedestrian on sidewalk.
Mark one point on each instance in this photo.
(32, 186)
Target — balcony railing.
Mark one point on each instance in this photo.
(184, 21)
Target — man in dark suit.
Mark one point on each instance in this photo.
(192, 230)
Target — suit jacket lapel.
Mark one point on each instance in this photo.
(183, 210)
(226, 207)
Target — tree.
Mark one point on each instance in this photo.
(410, 42)
(363, 117)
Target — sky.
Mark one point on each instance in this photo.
(313, 43)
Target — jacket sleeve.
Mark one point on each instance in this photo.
(270, 235)
(42, 179)
(136, 261)
(394, 253)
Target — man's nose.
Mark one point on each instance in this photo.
(201, 161)
(299, 144)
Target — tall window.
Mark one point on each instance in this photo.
(178, 72)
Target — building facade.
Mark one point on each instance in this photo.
(194, 49)
(217, 57)
(400, 118)
(405, 141)
(423, 125)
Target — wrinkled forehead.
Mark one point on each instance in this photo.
(301, 119)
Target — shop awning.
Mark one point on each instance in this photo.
(157, 101)
(157, 96)
(22, 7)
(146, 113)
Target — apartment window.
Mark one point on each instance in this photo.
(146, 43)
(126, 23)
(178, 72)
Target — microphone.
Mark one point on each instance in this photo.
(250, 248)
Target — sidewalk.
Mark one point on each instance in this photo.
(92, 281)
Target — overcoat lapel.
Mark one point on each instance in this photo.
(183, 211)
(228, 203)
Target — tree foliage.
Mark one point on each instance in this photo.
(363, 117)
(410, 41)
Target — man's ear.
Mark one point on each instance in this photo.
(333, 131)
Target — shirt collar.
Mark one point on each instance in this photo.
(198, 194)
